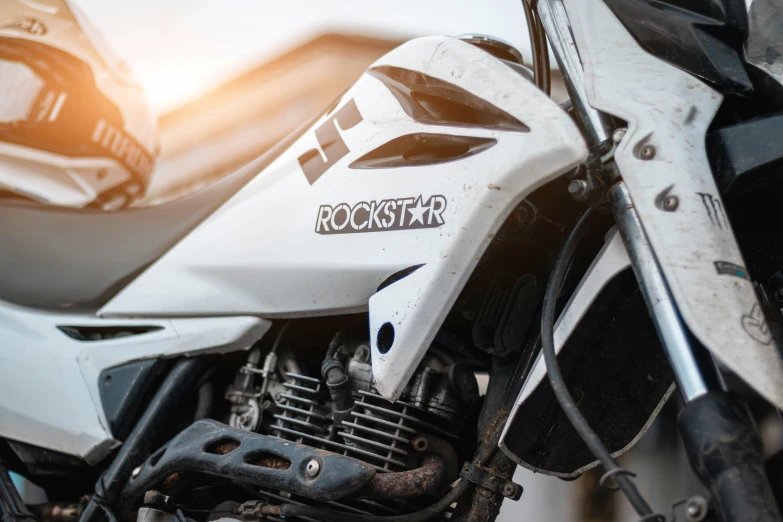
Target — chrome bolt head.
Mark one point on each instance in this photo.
(647, 153)
(696, 509)
(577, 188)
(313, 468)
(618, 135)
(671, 203)
(136, 472)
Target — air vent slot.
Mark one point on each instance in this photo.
(421, 149)
(105, 333)
(430, 100)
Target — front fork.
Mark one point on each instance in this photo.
(720, 439)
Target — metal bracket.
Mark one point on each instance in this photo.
(210, 447)
(490, 481)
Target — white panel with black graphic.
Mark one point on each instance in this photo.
(663, 157)
(419, 164)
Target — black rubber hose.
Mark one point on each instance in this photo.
(532, 34)
(538, 47)
(543, 49)
(570, 409)
(337, 380)
(144, 437)
(206, 399)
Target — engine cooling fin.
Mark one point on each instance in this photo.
(378, 432)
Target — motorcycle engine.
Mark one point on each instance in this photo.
(281, 399)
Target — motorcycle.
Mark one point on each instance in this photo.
(301, 340)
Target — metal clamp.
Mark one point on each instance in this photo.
(610, 475)
(490, 481)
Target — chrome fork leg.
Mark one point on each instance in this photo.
(694, 369)
(720, 439)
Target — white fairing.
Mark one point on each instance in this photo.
(670, 110)
(266, 252)
(49, 382)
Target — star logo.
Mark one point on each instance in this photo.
(417, 212)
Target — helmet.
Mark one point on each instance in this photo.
(75, 128)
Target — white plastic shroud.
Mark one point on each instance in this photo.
(273, 251)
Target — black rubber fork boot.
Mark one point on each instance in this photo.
(725, 452)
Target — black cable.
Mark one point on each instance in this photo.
(543, 49)
(281, 334)
(576, 419)
(538, 47)
(532, 34)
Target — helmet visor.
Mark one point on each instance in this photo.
(49, 101)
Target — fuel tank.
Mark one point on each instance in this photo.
(386, 204)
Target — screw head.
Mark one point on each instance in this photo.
(647, 153)
(509, 490)
(136, 472)
(618, 135)
(577, 188)
(696, 509)
(671, 203)
(313, 468)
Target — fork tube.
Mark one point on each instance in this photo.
(694, 370)
(595, 125)
(720, 439)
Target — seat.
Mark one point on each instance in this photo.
(59, 258)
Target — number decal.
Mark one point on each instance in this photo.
(332, 144)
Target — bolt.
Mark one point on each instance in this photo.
(313, 468)
(420, 443)
(577, 188)
(618, 135)
(509, 490)
(696, 509)
(671, 203)
(136, 472)
(647, 153)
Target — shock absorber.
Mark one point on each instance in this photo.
(720, 439)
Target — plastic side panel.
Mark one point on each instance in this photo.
(415, 307)
(669, 110)
(321, 237)
(49, 394)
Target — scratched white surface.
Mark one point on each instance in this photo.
(260, 253)
(670, 110)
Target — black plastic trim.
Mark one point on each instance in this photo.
(421, 149)
(747, 155)
(705, 38)
(433, 101)
(123, 389)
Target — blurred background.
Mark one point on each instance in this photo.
(230, 78)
